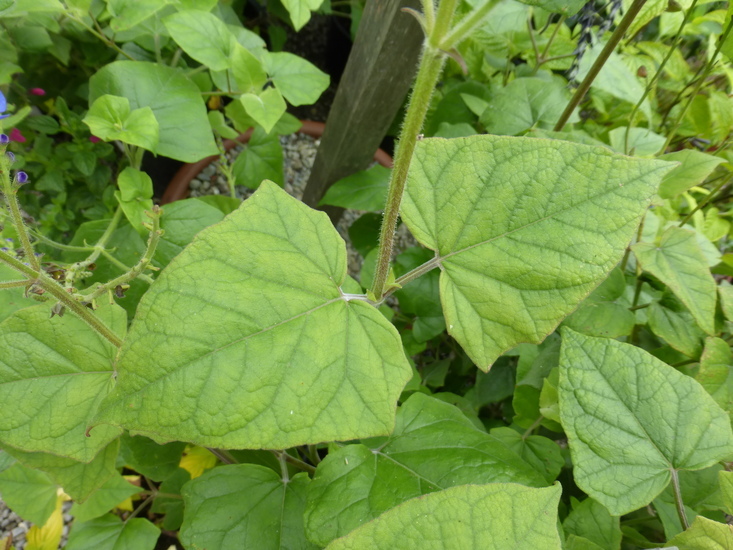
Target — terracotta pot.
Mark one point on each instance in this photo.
(178, 187)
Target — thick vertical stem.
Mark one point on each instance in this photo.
(608, 49)
(678, 500)
(431, 64)
(11, 199)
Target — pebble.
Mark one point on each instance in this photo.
(13, 524)
(299, 153)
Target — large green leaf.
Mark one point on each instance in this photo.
(299, 81)
(184, 130)
(524, 229)
(269, 518)
(203, 36)
(55, 372)
(265, 107)
(12, 299)
(677, 261)
(678, 328)
(109, 495)
(433, 447)
(364, 190)
(693, 169)
(704, 534)
(716, 372)
(632, 420)
(30, 493)
(110, 533)
(526, 103)
(268, 353)
(261, 159)
(109, 118)
(591, 520)
(300, 11)
(491, 517)
(78, 479)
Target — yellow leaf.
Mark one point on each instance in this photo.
(196, 460)
(48, 537)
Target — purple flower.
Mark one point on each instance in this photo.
(21, 177)
(37, 91)
(4, 139)
(10, 155)
(16, 135)
(3, 105)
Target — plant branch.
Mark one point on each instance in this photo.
(466, 25)
(75, 268)
(13, 284)
(657, 74)
(705, 201)
(282, 455)
(410, 276)
(608, 49)
(678, 500)
(10, 192)
(431, 65)
(223, 455)
(698, 85)
(100, 35)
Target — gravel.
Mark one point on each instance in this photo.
(12, 524)
(299, 152)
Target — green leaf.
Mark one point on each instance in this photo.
(326, 377)
(523, 235)
(642, 141)
(265, 108)
(55, 394)
(300, 11)
(365, 190)
(129, 13)
(568, 7)
(704, 534)
(271, 517)
(591, 520)
(78, 479)
(677, 328)
(725, 479)
(146, 457)
(725, 290)
(112, 493)
(605, 319)
(542, 453)
(110, 533)
(184, 131)
(693, 169)
(11, 299)
(433, 447)
(109, 118)
(490, 517)
(631, 420)
(524, 104)
(29, 493)
(173, 507)
(716, 373)
(181, 221)
(135, 197)
(261, 159)
(247, 69)
(218, 124)
(203, 36)
(298, 80)
(677, 261)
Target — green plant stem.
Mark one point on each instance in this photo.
(678, 500)
(466, 25)
(139, 267)
(223, 455)
(283, 468)
(124, 267)
(139, 509)
(410, 276)
(431, 65)
(657, 74)
(10, 192)
(536, 424)
(443, 21)
(74, 268)
(705, 201)
(428, 9)
(698, 85)
(40, 279)
(639, 233)
(608, 49)
(642, 306)
(282, 455)
(13, 284)
(551, 40)
(313, 455)
(534, 43)
(109, 43)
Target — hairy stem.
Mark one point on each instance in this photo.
(431, 65)
(13, 284)
(282, 455)
(10, 192)
(608, 49)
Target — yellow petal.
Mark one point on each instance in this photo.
(196, 460)
(48, 537)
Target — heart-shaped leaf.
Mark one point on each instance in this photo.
(264, 351)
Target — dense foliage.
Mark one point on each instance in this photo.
(549, 368)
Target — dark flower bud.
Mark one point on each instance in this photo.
(21, 177)
(4, 139)
(10, 155)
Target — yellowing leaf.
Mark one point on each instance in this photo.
(48, 537)
(196, 460)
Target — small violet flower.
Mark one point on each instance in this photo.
(4, 139)
(3, 106)
(21, 177)
(16, 135)
(37, 91)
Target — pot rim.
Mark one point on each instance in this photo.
(178, 188)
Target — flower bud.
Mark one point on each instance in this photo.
(21, 177)
(4, 139)
(37, 91)
(16, 135)
(10, 155)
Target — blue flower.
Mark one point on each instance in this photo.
(3, 105)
